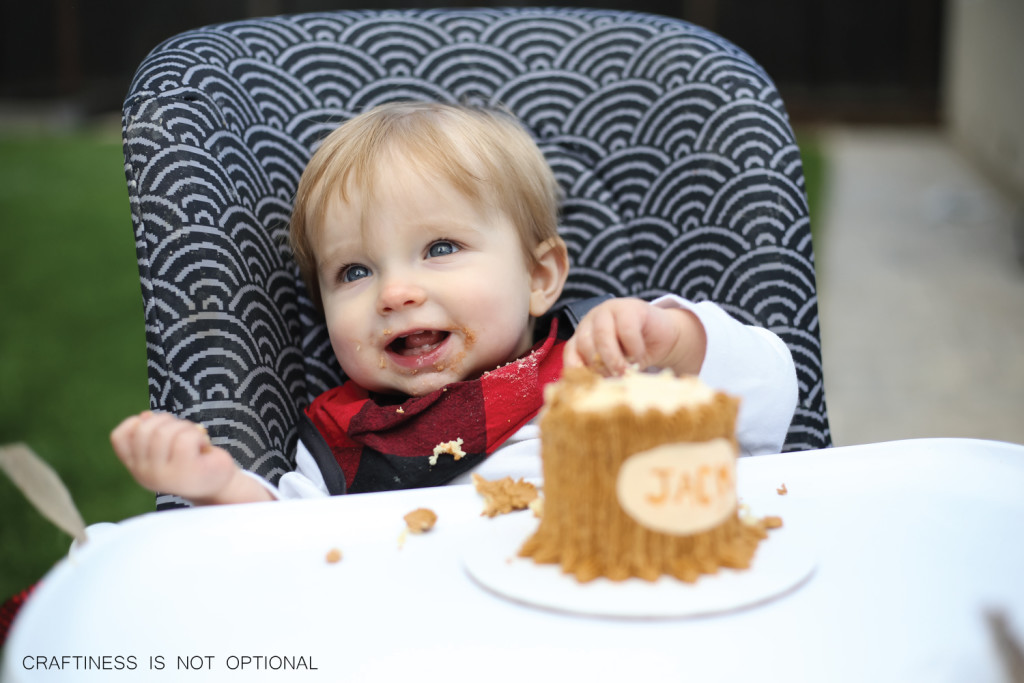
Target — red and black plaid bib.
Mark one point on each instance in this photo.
(383, 443)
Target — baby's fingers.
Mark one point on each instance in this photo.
(150, 442)
(607, 358)
(571, 356)
(122, 437)
(159, 438)
(629, 335)
(581, 350)
(190, 440)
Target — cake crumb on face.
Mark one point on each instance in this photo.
(504, 495)
(420, 520)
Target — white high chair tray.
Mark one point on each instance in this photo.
(911, 544)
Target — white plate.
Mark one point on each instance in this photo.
(782, 563)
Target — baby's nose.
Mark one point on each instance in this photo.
(398, 294)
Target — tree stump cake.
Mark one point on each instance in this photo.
(640, 479)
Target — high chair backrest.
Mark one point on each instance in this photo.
(679, 166)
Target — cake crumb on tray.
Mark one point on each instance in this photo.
(420, 520)
(504, 495)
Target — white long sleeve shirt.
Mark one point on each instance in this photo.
(745, 361)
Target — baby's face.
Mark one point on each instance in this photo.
(421, 287)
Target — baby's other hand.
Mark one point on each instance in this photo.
(170, 455)
(621, 332)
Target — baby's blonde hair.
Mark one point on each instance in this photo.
(485, 154)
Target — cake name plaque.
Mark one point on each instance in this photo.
(681, 488)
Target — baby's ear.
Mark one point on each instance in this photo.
(548, 274)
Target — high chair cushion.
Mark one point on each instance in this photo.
(680, 170)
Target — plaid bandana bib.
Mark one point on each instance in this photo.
(383, 443)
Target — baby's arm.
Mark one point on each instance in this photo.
(621, 332)
(171, 455)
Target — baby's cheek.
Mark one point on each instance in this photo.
(348, 353)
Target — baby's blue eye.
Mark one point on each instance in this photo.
(354, 272)
(441, 248)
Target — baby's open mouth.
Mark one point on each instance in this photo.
(418, 343)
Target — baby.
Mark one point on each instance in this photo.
(427, 233)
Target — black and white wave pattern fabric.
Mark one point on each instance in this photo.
(680, 171)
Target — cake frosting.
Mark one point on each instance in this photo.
(641, 391)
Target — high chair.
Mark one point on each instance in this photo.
(680, 170)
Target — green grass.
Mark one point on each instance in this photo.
(815, 177)
(72, 347)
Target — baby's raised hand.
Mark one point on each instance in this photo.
(171, 455)
(621, 332)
